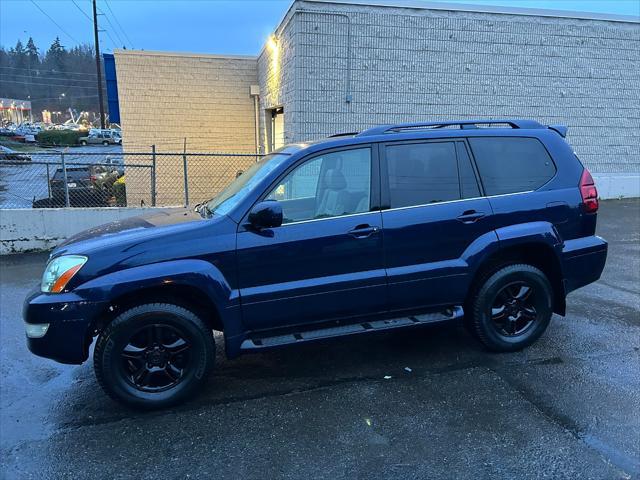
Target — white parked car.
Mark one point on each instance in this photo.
(104, 137)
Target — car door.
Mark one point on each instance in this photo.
(325, 261)
(433, 211)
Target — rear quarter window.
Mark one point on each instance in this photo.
(512, 164)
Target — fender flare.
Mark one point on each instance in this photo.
(198, 274)
(505, 238)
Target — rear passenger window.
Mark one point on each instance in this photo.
(422, 173)
(512, 164)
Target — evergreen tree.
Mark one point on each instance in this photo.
(26, 74)
(33, 57)
(55, 58)
(18, 55)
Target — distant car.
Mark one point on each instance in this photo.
(85, 186)
(28, 129)
(7, 153)
(115, 163)
(104, 137)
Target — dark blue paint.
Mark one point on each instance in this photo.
(111, 82)
(376, 264)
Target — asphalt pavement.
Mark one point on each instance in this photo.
(567, 407)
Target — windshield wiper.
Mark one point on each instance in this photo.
(203, 209)
(200, 207)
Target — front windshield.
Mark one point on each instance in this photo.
(224, 202)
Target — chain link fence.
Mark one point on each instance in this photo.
(122, 179)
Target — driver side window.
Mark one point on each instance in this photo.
(330, 185)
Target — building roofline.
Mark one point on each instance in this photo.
(155, 53)
(465, 7)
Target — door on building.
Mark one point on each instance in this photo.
(275, 128)
(326, 261)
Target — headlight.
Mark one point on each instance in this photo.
(59, 271)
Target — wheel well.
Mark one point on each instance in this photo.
(190, 298)
(538, 255)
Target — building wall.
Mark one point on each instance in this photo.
(418, 64)
(277, 76)
(167, 97)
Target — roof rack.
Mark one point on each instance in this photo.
(463, 124)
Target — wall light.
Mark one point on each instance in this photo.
(272, 42)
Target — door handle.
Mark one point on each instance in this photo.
(470, 216)
(363, 231)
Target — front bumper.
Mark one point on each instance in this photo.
(583, 261)
(69, 316)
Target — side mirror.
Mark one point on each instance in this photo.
(267, 214)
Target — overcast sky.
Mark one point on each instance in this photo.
(207, 26)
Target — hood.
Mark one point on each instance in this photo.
(127, 229)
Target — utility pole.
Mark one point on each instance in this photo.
(98, 67)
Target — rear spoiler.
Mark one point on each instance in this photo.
(561, 129)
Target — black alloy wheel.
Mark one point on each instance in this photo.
(511, 308)
(156, 357)
(514, 309)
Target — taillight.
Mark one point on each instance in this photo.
(588, 192)
(92, 179)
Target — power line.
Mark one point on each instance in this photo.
(47, 84)
(44, 70)
(113, 42)
(54, 22)
(82, 11)
(46, 77)
(56, 98)
(114, 28)
(118, 23)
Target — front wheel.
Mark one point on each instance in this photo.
(513, 308)
(154, 356)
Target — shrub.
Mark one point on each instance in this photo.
(120, 192)
(61, 138)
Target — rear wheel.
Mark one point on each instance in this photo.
(512, 309)
(83, 143)
(154, 356)
(105, 143)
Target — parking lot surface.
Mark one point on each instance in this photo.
(567, 407)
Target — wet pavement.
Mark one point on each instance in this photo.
(567, 407)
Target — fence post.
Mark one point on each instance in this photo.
(66, 184)
(153, 175)
(186, 179)
(48, 181)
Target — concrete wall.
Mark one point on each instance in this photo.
(24, 230)
(420, 64)
(167, 97)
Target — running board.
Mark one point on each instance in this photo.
(258, 343)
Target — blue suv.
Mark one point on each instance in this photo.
(488, 222)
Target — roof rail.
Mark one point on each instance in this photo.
(343, 134)
(464, 124)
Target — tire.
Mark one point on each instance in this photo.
(105, 143)
(125, 358)
(506, 317)
(83, 143)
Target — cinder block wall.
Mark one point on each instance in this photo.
(279, 84)
(167, 97)
(418, 64)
